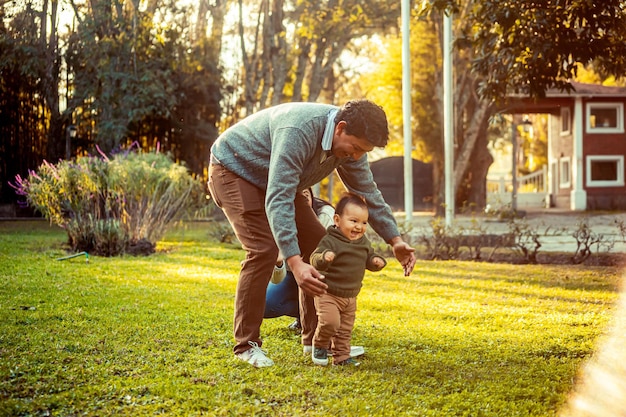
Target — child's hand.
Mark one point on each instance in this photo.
(329, 256)
(378, 262)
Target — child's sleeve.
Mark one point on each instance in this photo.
(317, 257)
(370, 260)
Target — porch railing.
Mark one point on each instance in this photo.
(531, 189)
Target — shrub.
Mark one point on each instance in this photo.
(586, 239)
(112, 206)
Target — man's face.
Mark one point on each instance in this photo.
(348, 146)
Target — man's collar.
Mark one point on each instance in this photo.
(329, 131)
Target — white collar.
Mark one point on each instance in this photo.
(329, 131)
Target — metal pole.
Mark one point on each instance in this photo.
(448, 114)
(70, 132)
(68, 143)
(406, 111)
(514, 165)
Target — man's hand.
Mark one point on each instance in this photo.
(307, 277)
(404, 253)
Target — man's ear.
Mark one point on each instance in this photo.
(341, 126)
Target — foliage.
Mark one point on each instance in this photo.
(443, 242)
(137, 336)
(132, 73)
(111, 206)
(289, 49)
(473, 114)
(121, 72)
(26, 117)
(528, 47)
(586, 239)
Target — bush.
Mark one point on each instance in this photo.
(112, 206)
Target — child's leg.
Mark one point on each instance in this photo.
(342, 339)
(328, 319)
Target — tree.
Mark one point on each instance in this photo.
(472, 114)
(30, 117)
(531, 46)
(124, 71)
(503, 47)
(290, 51)
(148, 75)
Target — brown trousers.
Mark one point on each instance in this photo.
(244, 207)
(335, 317)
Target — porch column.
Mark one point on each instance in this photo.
(578, 196)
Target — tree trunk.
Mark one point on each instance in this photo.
(472, 194)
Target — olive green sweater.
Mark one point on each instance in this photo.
(344, 276)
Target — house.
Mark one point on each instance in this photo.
(586, 145)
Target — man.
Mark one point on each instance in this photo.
(258, 169)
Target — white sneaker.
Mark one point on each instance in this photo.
(279, 273)
(255, 356)
(355, 351)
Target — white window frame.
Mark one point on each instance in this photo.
(565, 182)
(566, 115)
(619, 112)
(618, 182)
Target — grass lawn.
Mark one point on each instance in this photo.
(153, 336)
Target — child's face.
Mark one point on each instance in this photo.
(352, 223)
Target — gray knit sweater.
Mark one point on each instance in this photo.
(279, 149)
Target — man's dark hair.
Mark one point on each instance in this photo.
(366, 120)
(350, 198)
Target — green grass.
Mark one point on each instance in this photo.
(153, 336)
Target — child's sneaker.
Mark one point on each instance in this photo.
(320, 356)
(356, 351)
(255, 356)
(348, 362)
(295, 326)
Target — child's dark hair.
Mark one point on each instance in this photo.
(350, 198)
(366, 120)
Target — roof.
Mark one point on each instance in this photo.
(588, 90)
(555, 98)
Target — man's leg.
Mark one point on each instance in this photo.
(310, 232)
(244, 206)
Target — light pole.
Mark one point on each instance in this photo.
(526, 125)
(70, 133)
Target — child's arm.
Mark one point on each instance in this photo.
(322, 259)
(376, 263)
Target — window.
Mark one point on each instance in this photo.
(565, 173)
(566, 120)
(605, 117)
(605, 171)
